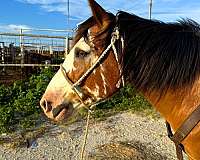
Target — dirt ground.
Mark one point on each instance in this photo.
(124, 136)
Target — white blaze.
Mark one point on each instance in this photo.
(70, 58)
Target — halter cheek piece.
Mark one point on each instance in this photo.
(76, 86)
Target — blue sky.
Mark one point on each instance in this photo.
(53, 13)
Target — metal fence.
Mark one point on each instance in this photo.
(14, 47)
(26, 51)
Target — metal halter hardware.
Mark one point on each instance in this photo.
(76, 86)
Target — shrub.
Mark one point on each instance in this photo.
(19, 102)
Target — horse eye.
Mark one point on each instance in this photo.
(80, 53)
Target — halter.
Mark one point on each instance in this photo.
(78, 90)
(76, 86)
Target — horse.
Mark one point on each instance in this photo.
(161, 60)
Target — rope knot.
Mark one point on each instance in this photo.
(115, 34)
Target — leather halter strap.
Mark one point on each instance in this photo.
(183, 131)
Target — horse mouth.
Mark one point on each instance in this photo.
(61, 112)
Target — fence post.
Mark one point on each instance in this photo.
(3, 55)
(21, 46)
(150, 8)
(67, 45)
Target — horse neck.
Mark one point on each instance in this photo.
(176, 104)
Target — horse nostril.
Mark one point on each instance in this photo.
(45, 105)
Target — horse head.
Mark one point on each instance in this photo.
(90, 72)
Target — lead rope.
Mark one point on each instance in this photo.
(75, 86)
(90, 110)
(115, 36)
(86, 135)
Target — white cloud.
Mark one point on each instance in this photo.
(79, 9)
(12, 27)
(162, 9)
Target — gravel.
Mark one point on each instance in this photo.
(122, 136)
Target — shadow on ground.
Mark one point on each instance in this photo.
(125, 151)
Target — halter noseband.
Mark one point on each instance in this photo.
(76, 86)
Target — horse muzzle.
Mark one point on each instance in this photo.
(57, 113)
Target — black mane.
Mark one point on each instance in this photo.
(160, 55)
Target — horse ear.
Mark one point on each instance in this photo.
(98, 12)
